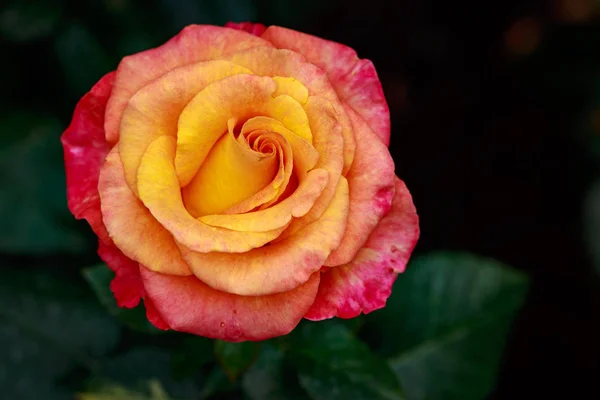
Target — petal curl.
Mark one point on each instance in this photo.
(154, 110)
(159, 191)
(126, 285)
(372, 185)
(188, 305)
(194, 43)
(204, 120)
(131, 226)
(364, 284)
(281, 266)
(85, 148)
(355, 80)
(250, 27)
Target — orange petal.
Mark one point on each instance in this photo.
(188, 305)
(154, 110)
(267, 61)
(159, 190)
(355, 80)
(296, 205)
(280, 266)
(204, 119)
(371, 180)
(131, 226)
(194, 43)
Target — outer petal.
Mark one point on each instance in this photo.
(372, 183)
(127, 284)
(194, 43)
(85, 148)
(131, 226)
(355, 80)
(188, 305)
(252, 28)
(365, 284)
(153, 315)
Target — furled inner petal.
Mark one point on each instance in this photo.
(281, 266)
(154, 110)
(233, 171)
(159, 190)
(204, 120)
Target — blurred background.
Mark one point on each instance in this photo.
(495, 128)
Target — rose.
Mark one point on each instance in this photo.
(239, 180)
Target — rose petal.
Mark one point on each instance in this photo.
(126, 285)
(296, 205)
(364, 284)
(252, 28)
(372, 181)
(85, 148)
(241, 97)
(188, 305)
(355, 80)
(131, 226)
(267, 61)
(159, 191)
(281, 266)
(153, 315)
(154, 110)
(194, 43)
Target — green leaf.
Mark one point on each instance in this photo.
(333, 364)
(272, 378)
(99, 278)
(47, 327)
(33, 211)
(446, 322)
(117, 392)
(22, 21)
(217, 382)
(235, 358)
(191, 354)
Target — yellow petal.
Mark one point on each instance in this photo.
(159, 190)
(281, 266)
(296, 205)
(231, 173)
(291, 87)
(154, 110)
(204, 119)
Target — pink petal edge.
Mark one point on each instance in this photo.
(364, 284)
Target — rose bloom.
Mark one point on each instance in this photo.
(239, 180)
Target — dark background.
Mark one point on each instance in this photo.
(493, 130)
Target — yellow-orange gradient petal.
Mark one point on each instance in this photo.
(329, 143)
(131, 226)
(154, 110)
(194, 43)
(188, 305)
(372, 186)
(231, 173)
(278, 215)
(159, 190)
(280, 266)
(267, 61)
(204, 119)
(291, 87)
